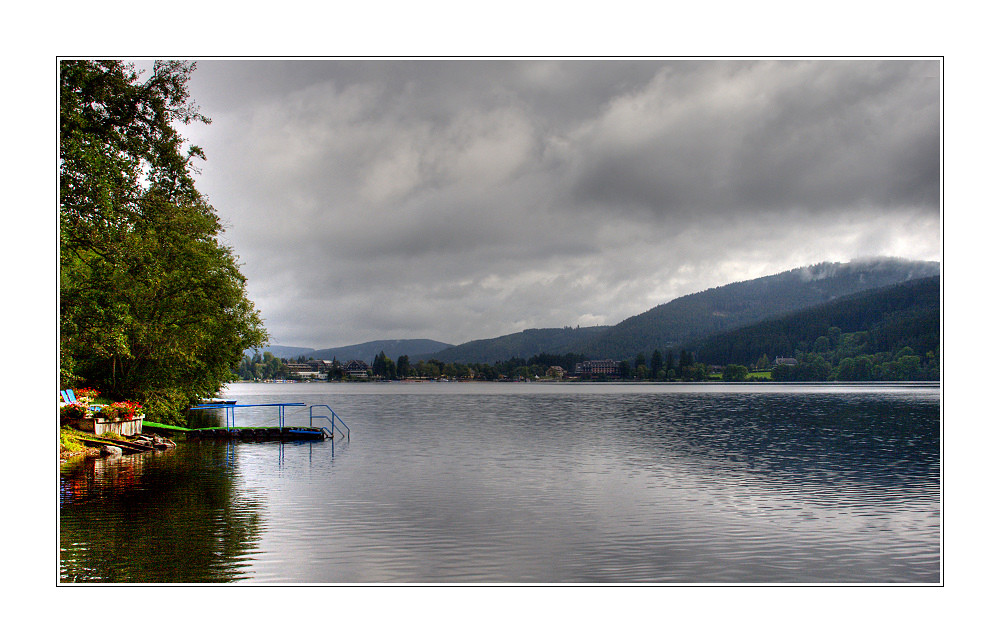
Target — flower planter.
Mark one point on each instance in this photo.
(98, 426)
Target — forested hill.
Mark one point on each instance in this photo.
(287, 352)
(885, 320)
(524, 344)
(392, 348)
(712, 311)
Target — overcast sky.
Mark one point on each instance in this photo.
(458, 200)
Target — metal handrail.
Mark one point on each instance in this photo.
(332, 418)
(231, 410)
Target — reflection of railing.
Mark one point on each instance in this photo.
(332, 419)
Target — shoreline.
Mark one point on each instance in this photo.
(91, 445)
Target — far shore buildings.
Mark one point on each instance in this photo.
(356, 368)
(313, 369)
(598, 368)
(319, 368)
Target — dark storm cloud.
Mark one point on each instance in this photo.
(465, 199)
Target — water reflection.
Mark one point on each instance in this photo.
(171, 516)
(537, 485)
(870, 440)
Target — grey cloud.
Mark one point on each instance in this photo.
(461, 199)
(808, 137)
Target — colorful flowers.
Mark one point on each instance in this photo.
(118, 411)
(87, 395)
(76, 411)
(114, 412)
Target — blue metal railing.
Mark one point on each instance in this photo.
(314, 414)
(332, 419)
(230, 410)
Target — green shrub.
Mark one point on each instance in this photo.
(69, 442)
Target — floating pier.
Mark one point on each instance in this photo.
(259, 433)
(322, 412)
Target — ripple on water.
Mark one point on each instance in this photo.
(556, 486)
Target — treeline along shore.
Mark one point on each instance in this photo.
(883, 334)
(841, 362)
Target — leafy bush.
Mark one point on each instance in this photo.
(69, 442)
(735, 373)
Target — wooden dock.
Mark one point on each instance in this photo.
(280, 432)
(248, 433)
(259, 433)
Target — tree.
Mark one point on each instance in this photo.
(656, 364)
(783, 373)
(153, 307)
(696, 372)
(403, 366)
(383, 367)
(851, 369)
(734, 373)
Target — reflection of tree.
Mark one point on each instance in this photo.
(171, 517)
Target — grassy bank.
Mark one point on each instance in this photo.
(73, 442)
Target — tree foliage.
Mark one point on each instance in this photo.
(153, 307)
(734, 373)
(875, 325)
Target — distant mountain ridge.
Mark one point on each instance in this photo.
(907, 314)
(286, 352)
(716, 310)
(393, 348)
(681, 321)
(524, 344)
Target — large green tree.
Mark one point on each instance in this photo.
(153, 307)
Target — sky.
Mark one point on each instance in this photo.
(464, 199)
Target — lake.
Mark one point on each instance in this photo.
(530, 483)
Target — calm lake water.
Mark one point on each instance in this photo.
(530, 483)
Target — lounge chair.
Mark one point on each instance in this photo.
(69, 397)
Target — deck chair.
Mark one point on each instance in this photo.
(70, 398)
